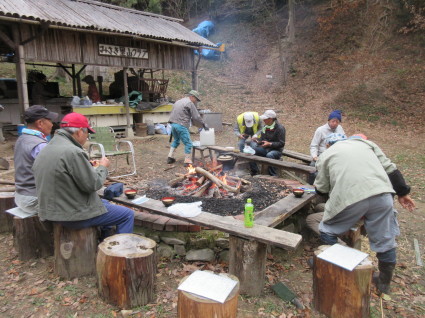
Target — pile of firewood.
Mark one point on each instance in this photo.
(210, 183)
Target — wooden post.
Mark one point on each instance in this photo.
(192, 306)
(31, 238)
(7, 201)
(129, 130)
(247, 261)
(341, 293)
(75, 251)
(126, 270)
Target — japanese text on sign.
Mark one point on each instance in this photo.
(122, 51)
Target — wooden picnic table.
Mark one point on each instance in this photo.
(248, 246)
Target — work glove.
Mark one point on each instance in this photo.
(206, 127)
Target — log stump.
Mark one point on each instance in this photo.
(7, 201)
(247, 261)
(341, 293)
(126, 270)
(75, 251)
(32, 238)
(193, 306)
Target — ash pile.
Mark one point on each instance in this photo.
(220, 193)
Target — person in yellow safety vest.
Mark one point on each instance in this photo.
(247, 125)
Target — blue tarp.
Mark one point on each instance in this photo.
(204, 29)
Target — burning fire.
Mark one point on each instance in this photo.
(209, 182)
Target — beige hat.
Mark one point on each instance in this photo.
(268, 114)
(195, 93)
(249, 119)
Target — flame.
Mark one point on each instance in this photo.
(191, 169)
(223, 178)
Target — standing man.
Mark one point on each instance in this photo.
(184, 111)
(67, 183)
(361, 182)
(27, 147)
(271, 142)
(247, 125)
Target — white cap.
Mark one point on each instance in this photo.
(249, 119)
(268, 114)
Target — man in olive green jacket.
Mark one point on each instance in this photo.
(67, 183)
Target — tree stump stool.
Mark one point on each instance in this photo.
(32, 238)
(193, 306)
(75, 251)
(126, 270)
(341, 293)
(7, 201)
(247, 261)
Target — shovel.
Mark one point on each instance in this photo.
(286, 294)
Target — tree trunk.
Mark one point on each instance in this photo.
(247, 261)
(7, 201)
(75, 251)
(31, 238)
(126, 270)
(338, 292)
(192, 306)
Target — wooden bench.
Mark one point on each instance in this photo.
(282, 164)
(201, 150)
(297, 155)
(248, 246)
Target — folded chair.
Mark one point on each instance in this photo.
(104, 144)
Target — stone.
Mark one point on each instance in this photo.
(172, 240)
(206, 255)
(223, 256)
(180, 249)
(200, 243)
(222, 242)
(165, 251)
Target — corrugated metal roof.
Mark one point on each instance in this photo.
(94, 15)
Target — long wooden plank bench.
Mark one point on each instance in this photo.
(282, 164)
(297, 155)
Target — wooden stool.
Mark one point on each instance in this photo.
(341, 293)
(75, 251)
(192, 306)
(201, 149)
(247, 261)
(32, 238)
(7, 201)
(126, 270)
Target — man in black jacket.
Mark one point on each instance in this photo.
(271, 142)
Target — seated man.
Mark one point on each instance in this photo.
(67, 183)
(271, 142)
(318, 145)
(27, 147)
(361, 181)
(247, 125)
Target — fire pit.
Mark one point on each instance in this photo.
(221, 193)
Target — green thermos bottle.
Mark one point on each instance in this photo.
(249, 214)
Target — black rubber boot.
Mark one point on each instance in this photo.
(170, 160)
(382, 280)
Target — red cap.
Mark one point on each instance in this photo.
(76, 120)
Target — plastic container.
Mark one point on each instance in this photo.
(249, 214)
(20, 128)
(207, 138)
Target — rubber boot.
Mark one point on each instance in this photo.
(170, 158)
(382, 280)
(188, 159)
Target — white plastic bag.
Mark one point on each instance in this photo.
(75, 101)
(248, 150)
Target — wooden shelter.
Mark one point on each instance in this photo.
(87, 32)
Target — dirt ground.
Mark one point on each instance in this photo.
(235, 84)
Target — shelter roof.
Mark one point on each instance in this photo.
(85, 15)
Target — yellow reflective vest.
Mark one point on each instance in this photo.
(241, 121)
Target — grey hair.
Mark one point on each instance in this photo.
(73, 130)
